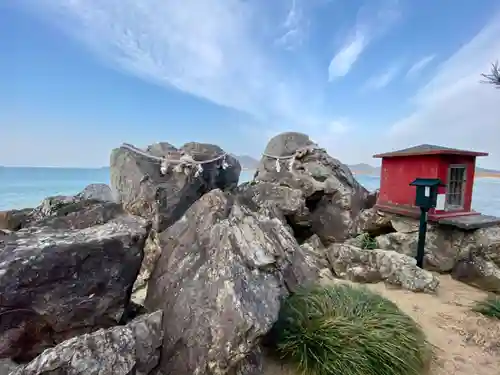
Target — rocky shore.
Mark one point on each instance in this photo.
(183, 272)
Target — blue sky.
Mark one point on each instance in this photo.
(79, 77)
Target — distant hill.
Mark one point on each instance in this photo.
(363, 168)
(367, 169)
(247, 162)
(484, 170)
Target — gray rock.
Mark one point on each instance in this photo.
(486, 243)
(152, 251)
(374, 222)
(442, 246)
(13, 220)
(99, 192)
(50, 206)
(359, 265)
(7, 366)
(313, 258)
(479, 272)
(80, 214)
(219, 280)
(56, 284)
(404, 224)
(333, 196)
(138, 185)
(132, 349)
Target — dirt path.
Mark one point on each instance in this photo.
(466, 343)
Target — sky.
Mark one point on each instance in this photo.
(79, 77)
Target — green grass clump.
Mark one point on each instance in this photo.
(489, 307)
(343, 330)
(368, 242)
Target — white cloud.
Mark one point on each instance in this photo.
(420, 65)
(293, 34)
(219, 50)
(454, 108)
(373, 20)
(382, 80)
(344, 59)
(338, 127)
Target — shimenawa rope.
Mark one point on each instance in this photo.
(184, 160)
(297, 154)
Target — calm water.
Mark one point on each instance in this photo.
(26, 187)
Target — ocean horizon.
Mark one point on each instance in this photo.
(24, 187)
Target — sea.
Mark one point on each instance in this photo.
(26, 187)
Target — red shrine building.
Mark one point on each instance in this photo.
(455, 168)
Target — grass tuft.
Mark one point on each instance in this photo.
(368, 242)
(489, 307)
(347, 330)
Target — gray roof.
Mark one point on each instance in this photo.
(427, 149)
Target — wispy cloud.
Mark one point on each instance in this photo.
(420, 65)
(293, 27)
(382, 80)
(338, 127)
(342, 62)
(219, 50)
(372, 21)
(454, 108)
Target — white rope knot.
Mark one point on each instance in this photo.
(225, 165)
(164, 167)
(185, 164)
(301, 152)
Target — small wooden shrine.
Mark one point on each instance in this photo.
(453, 167)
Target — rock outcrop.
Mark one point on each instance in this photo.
(98, 192)
(13, 220)
(132, 349)
(470, 256)
(217, 308)
(332, 195)
(66, 212)
(55, 284)
(139, 185)
(80, 214)
(369, 266)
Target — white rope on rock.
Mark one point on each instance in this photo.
(184, 161)
(297, 154)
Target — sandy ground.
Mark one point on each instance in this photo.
(465, 343)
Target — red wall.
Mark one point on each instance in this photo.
(398, 172)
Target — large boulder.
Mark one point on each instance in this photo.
(51, 205)
(132, 349)
(139, 185)
(479, 272)
(55, 284)
(80, 214)
(99, 192)
(332, 195)
(223, 269)
(360, 265)
(442, 246)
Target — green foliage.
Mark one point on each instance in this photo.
(489, 307)
(343, 330)
(494, 76)
(367, 241)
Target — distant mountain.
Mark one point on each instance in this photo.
(247, 162)
(484, 170)
(363, 168)
(367, 169)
